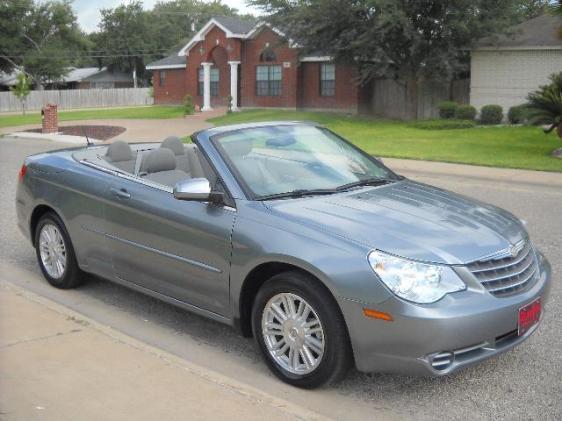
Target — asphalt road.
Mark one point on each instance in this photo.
(522, 384)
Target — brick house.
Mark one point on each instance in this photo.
(258, 66)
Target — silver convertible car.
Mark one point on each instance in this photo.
(295, 236)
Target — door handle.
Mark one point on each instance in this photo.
(120, 193)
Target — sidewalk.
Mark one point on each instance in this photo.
(411, 167)
(58, 365)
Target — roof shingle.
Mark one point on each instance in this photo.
(173, 61)
(541, 31)
(235, 24)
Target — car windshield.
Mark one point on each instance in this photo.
(295, 160)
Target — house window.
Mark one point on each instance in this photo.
(215, 77)
(268, 80)
(161, 78)
(102, 85)
(327, 79)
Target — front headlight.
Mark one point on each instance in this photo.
(421, 283)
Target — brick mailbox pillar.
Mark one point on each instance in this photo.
(49, 119)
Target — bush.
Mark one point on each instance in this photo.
(491, 114)
(188, 107)
(443, 124)
(447, 109)
(517, 114)
(465, 112)
(228, 101)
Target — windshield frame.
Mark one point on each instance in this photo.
(248, 192)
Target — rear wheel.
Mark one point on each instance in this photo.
(55, 254)
(300, 331)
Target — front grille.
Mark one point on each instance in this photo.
(504, 276)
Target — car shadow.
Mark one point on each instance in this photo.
(229, 340)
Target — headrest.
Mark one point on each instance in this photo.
(280, 141)
(161, 159)
(174, 144)
(119, 151)
(238, 148)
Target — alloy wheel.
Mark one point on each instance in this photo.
(293, 333)
(52, 251)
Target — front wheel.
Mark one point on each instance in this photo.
(300, 331)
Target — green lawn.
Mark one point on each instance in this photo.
(154, 111)
(509, 147)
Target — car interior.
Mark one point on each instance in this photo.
(165, 163)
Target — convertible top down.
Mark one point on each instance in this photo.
(297, 237)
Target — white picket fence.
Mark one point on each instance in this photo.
(78, 98)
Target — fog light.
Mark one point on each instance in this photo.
(442, 361)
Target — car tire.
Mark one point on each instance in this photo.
(55, 253)
(319, 323)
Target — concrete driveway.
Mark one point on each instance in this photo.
(522, 384)
(142, 130)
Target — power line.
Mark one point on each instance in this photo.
(87, 55)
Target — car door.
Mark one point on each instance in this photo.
(177, 248)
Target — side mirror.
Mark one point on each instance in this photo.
(196, 189)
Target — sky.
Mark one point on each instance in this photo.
(88, 11)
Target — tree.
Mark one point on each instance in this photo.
(556, 10)
(174, 23)
(124, 38)
(129, 36)
(545, 105)
(41, 36)
(21, 89)
(407, 39)
(532, 8)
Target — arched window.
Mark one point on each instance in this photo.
(268, 55)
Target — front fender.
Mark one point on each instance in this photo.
(340, 264)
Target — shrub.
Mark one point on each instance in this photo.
(465, 112)
(188, 107)
(517, 114)
(491, 114)
(443, 124)
(228, 101)
(447, 109)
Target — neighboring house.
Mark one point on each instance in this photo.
(78, 78)
(258, 66)
(93, 78)
(505, 69)
(7, 80)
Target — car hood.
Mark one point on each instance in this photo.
(409, 219)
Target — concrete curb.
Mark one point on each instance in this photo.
(248, 392)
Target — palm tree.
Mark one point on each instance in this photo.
(545, 105)
(556, 10)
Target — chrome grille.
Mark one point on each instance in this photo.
(506, 275)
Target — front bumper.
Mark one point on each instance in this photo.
(440, 338)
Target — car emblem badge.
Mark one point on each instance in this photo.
(516, 248)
